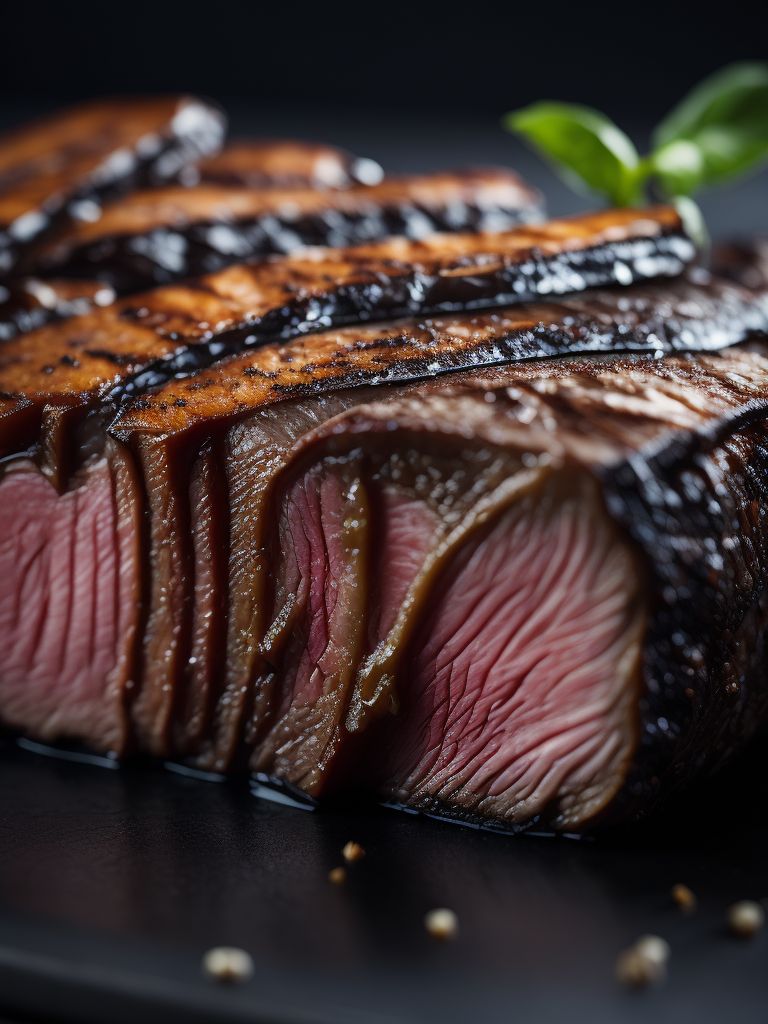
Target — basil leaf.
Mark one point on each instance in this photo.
(726, 118)
(693, 221)
(585, 147)
(679, 167)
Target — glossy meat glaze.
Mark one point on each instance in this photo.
(144, 340)
(156, 236)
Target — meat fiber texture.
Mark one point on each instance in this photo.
(521, 594)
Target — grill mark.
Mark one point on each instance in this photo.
(170, 338)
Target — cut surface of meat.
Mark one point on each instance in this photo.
(519, 695)
(528, 593)
(62, 167)
(69, 610)
(158, 236)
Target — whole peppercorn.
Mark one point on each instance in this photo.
(442, 924)
(352, 852)
(644, 963)
(684, 898)
(745, 918)
(228, 964)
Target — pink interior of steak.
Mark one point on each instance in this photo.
(318, 624)
(68, 602)
(429, 598)
(473, 621)
(518, 691)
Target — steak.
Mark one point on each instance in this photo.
(157, 236)
(147, 339)
(60, 169)
(286, 163)
(527, 593)
(30, 302)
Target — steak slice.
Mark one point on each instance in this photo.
(161, 235)
(60, 169)
(531, 593)
(70, 605)
(692, 313)
(29, 302)
(143, 341)
(287, 163)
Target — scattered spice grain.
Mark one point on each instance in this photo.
(338, 876)
(352, 852)
(442, 924)
(745, 918)
(643, 963)
(684, 898)
(228, 964)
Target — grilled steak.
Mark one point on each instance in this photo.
(523, 593)
(29, 302)
(693, 313)
(286, 163)
(62, 168)
(160, 235)
(144, 340)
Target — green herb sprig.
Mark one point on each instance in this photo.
(718, 132)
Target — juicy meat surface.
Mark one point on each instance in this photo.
(176, 329)
(522, 682)
(160, 235)
(69, 601)
(528, 592)
(61, 168)
(697, 313)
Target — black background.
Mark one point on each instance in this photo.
(629, 59)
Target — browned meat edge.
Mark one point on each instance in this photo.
(143, 341)
(61, 168)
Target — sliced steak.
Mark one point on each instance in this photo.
(693, 313)
(143, 341)
(61, 168)
(286, 163)
(161, 235)
(546, 631)
(530, 593)
(29, 302)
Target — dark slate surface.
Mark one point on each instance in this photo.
(114, 882)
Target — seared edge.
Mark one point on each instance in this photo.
(161, 235)
(179, 329)
(61, 168)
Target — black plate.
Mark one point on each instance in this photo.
(113, 883)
